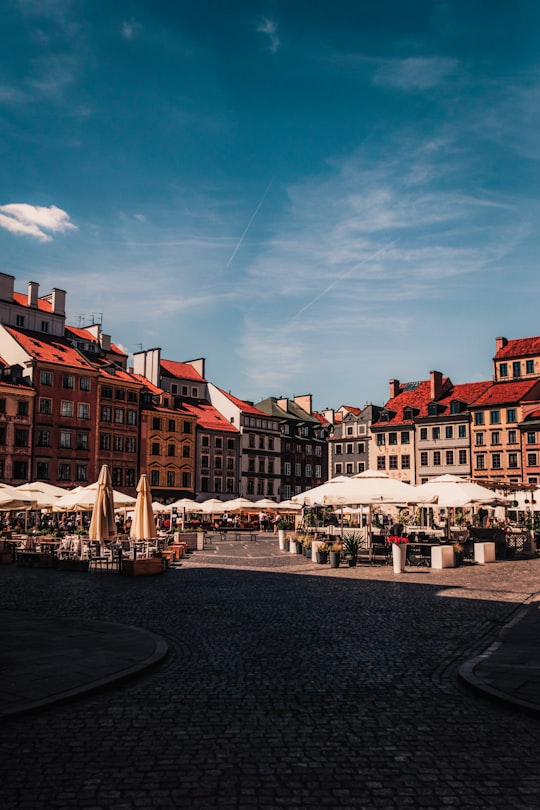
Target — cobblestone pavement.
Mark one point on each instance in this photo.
(287, 685)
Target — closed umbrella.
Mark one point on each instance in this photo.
(143, 526)
(103, 524)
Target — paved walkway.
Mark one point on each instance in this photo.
(48, 660)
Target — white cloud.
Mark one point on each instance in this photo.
(130, 29)
(414, 73)
(34, 220)
(270, 28)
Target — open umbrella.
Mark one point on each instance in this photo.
(239, 505)
(102, 524)
(452, 492)
(143, 526)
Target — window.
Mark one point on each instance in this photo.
(516, 369)
(44, 438)
(309, 450)
(118, 444)
(117, 475)
(186, 451)
(22, 407)
(393, 463)
(392, 438)
(432, 409)
(462, 456)
(106, 392)
(462, 431)
(449, 431)
(529, 366)
(131, 417)
(338, 469)
(66, 408)
(423, 459)
(156, 423)
(45, 406)
(104, 441)
(82, 441)
(172, 426)
(42, 470)
(46, 378)
(309, 470)
(130, 477)
(154, 475)
(65, 439)
(84, 384)
(131, 397)
(423, 434)
(380, 439)
(2, 405)
(21, 437)
(503, 370)
(531, 437)
(318, 450)
(20, 470)
(170, 478)
(251, 440)
(513, 461)
(106, 413)
(512, 437)
(287, 468)
(261, 442)
(171, 450)
(81, 472)
(405, 462)
(455, 406)
(511, 415)
(405, 439)
(339, 447)
(19, 321)
(362, 445)
(186, 479)
(496, 461)
(480, 462)
(44, 326)
(495, 417)
(64, 472)
(67, 381)
(83, 410)
(381, 463)
(155, 450)
(205, 441)
(495, 437)
(479, 438)
(298, 470)
(437, 458)
(205, 462)
(195, 392)
(120, 393)
(119, 416)
(450, 457)
(2, 435)
(230, 464)
(349, 468)
(204, 481)
(230, 445)
(349, 431)
(351, 446)
(131, 444)
(435, 433)
(479, 418)
(532, 459)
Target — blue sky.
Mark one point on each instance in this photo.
(314, 196)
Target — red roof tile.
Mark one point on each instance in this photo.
(521, 347)
(245, 407)
(209, 417)
(84, 334)
(503, 393)
(465, 392)
(22, 300)
(416, 395)
(49, 349)
(154, 389)
(182, 371)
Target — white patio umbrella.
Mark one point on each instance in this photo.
(239, 505)
(143, 526)
(211, 505)
(288, 506)
(453, 492)
(265, 503)
(316, 495)
(103, 525)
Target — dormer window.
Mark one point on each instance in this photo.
(432, 409)
(408, 413)
(456, 406)
(19, 320)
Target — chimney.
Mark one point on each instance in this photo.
(329, 415)
(394, 388)
(500, 343)
(283, 403)
(105, 342)
(436, 384)
(7, 284)
(33, 288)
(58, 302)
(304, 402)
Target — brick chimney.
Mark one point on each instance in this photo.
(33, 289)
(436, 384)
(394, 388)
(500, 343)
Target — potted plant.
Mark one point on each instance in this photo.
(458, 554)
(351, 544)
(282, 527)
(322, 553)
(399, 552)
(306, 545)
(335, 554)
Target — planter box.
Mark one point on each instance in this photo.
(442, 557)
(143, 567)
(187, 537)
(484, 553)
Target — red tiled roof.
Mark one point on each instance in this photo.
(49, 349)
(118, 374)
(502, 393)
(245, 407)
(154, 389)
(465, 392)
(84, 334)
(415, 395)
(352, 409)
(521, 347)
(533, 415)
(182, 371)
(22, 300)
(209, 417)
